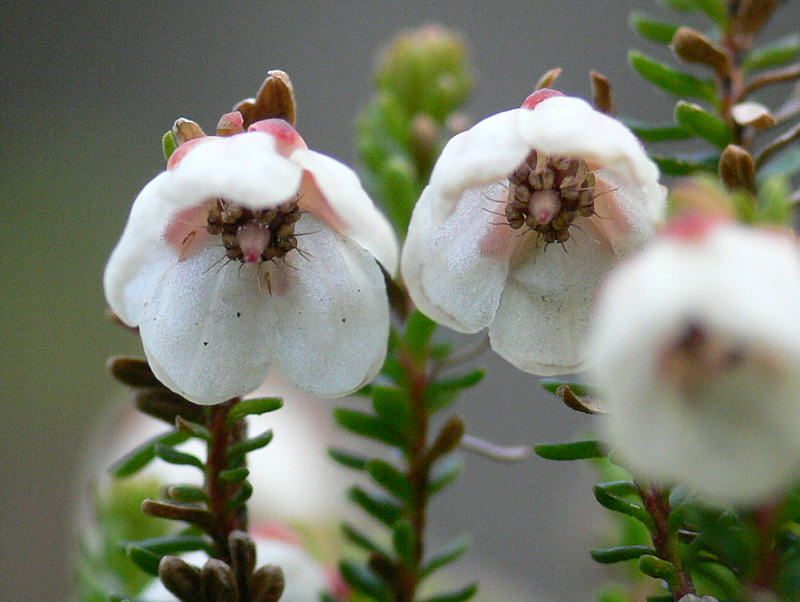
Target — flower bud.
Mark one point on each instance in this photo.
(694, 47)
(737, 168)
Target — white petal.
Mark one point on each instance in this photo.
(543, 317)
(245, 169)
(359, 218)
(740, 286)
(209, 332)
(333, 313)
(455, 271)
(569, 126)
(484, 154)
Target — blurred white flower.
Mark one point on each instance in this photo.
(696, 350)
(253, 250)
(479, 251)
(305, 578)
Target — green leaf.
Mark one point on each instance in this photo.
(653, 30)
(252, 444)
(464, 593)
(419, 330)
(775, 205)
(622, 487)
(452, 551)
(441, 394)
(620, 554)
(578, 450)
(623, 506)
(173, 544)
(774, 54)
(652, 566)
(348, 459)
(140, 457)
(256, 406)
(551, 384)
(234, 475)
(241, 496)
(168, 144)
(683, 165)
(381, 507)
(445, 472)
(403, 542)
(186, 494)
(671, 80)
(361, 539)
(786, 163)
(368, 425)
(193, 429)
(400, 187)
(362, 579)
(649, 132)
(684, 6)
(173, 456)
(716, 10)
(390, 478)
(145, 559)
(703, 123)
(391, 404)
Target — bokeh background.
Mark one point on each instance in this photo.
(87, 91)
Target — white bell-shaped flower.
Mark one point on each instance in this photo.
(480, 249)
(696, 352)
(251, 251)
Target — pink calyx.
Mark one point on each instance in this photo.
(539, 96)
(285, 135)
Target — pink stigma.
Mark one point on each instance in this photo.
(539, 96)
(253, 241)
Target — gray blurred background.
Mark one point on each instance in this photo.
(87, 91)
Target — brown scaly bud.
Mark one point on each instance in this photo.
(546, 81)
(448, 438)
(185, 129)
(601, 92)
(132, 371)
(218, 582)
(693, 47)
(180, 578)
(267, 584)
(243, 558)
(737, 168)
(753, 114)
(275, 99)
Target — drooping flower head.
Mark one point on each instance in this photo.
(252, 250)
(696, 352)
(523, 215)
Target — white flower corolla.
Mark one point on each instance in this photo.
(696, 352)
(305, 578)
(249, 251)
(479, 249)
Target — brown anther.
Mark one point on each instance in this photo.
(547, 194)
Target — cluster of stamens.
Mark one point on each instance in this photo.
(253, 236)
(547, 193)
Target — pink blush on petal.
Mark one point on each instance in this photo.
(186, 232)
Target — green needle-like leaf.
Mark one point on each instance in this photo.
(653, 566)
(716, 10)
(444, 472)
(464, 593)
(452, 551)
(234, 475)
(392, 405)
(173, 544)
(649, 132)
(552, 384)
(252, 444)
(140, 457)
(256, 406)
(623, 487)
(361, 539)
(653, 30)
(362, 579)
(578, 450)
(403, 542)
(684, 6)
(672, 80)
(390, 478)
(173, 456)
(145, 559)
(348, 459)
(168, 144)
(623, 506)
(441, 394)
(381, 507)
(703, 123)
(241, 496)
(419, 330)
(192, 428)
(620, 554)
(368, 425)
(685, 165)
(186, 494)
(773, 54)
